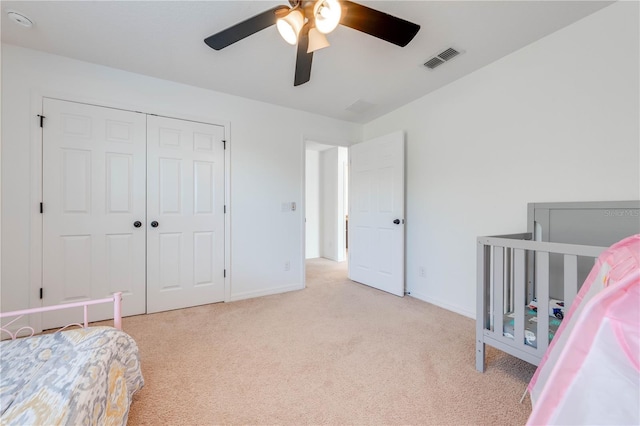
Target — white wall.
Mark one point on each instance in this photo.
(332, 205)
(342, 208)
(266, 150)
(328, 202)
(312, 204)
(555, 121)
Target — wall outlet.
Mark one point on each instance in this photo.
(421, 272)
(287, 265)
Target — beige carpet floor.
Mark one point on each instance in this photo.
(336, 353)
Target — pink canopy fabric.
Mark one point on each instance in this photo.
(590, 373)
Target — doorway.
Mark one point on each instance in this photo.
(375, 173)
(326, 202)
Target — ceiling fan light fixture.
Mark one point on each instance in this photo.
(289, 25)
(317, 40)
(327, 14)
(305, 21)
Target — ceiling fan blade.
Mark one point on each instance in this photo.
(303, 59)
(243, 29)
(378, 24)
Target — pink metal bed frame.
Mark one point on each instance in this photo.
(117, 314)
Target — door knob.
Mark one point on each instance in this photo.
(154, 224)
(137, 224)
(397, 221)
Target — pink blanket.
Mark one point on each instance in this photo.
(591, 372)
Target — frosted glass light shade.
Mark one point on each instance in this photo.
(317, 40)
(327, 14)
(290, 25)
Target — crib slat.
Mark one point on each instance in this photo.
(507, 294)
(498, 290)
(542, 292)
(520, 276)
(570, 279)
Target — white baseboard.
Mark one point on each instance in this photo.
(264, 292)
(447, 306)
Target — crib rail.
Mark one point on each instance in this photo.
(116, 299)
(511, 270)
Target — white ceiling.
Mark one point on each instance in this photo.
(164, 39)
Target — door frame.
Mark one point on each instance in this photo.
(36, 186)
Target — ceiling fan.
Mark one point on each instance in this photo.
(306, 22)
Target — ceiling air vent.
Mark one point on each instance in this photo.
(441, 58)
(433, 62)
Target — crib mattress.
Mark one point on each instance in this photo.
(530, 326)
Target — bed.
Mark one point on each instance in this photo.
(85, 375)
(526, 281)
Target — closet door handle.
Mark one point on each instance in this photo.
(137, 224)
(154, 224)
(397, 221)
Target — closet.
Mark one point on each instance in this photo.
(134, 203)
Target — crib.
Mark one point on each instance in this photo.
(526, 281)
(506, 285)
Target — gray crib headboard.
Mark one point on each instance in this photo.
(599, 223)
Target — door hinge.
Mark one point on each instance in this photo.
(225, 209)
(41, 208)
(42, 117)
(224, 273)
(224, 144)
(41, 292)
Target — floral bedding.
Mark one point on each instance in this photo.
(84, 376)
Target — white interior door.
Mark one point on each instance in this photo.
(185, 193)
(376, 213)
(93, 193)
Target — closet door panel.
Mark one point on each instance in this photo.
(185, 187)
(94, 162)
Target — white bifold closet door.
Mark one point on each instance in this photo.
(132, 203)
(185, 210)
(93, 193)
